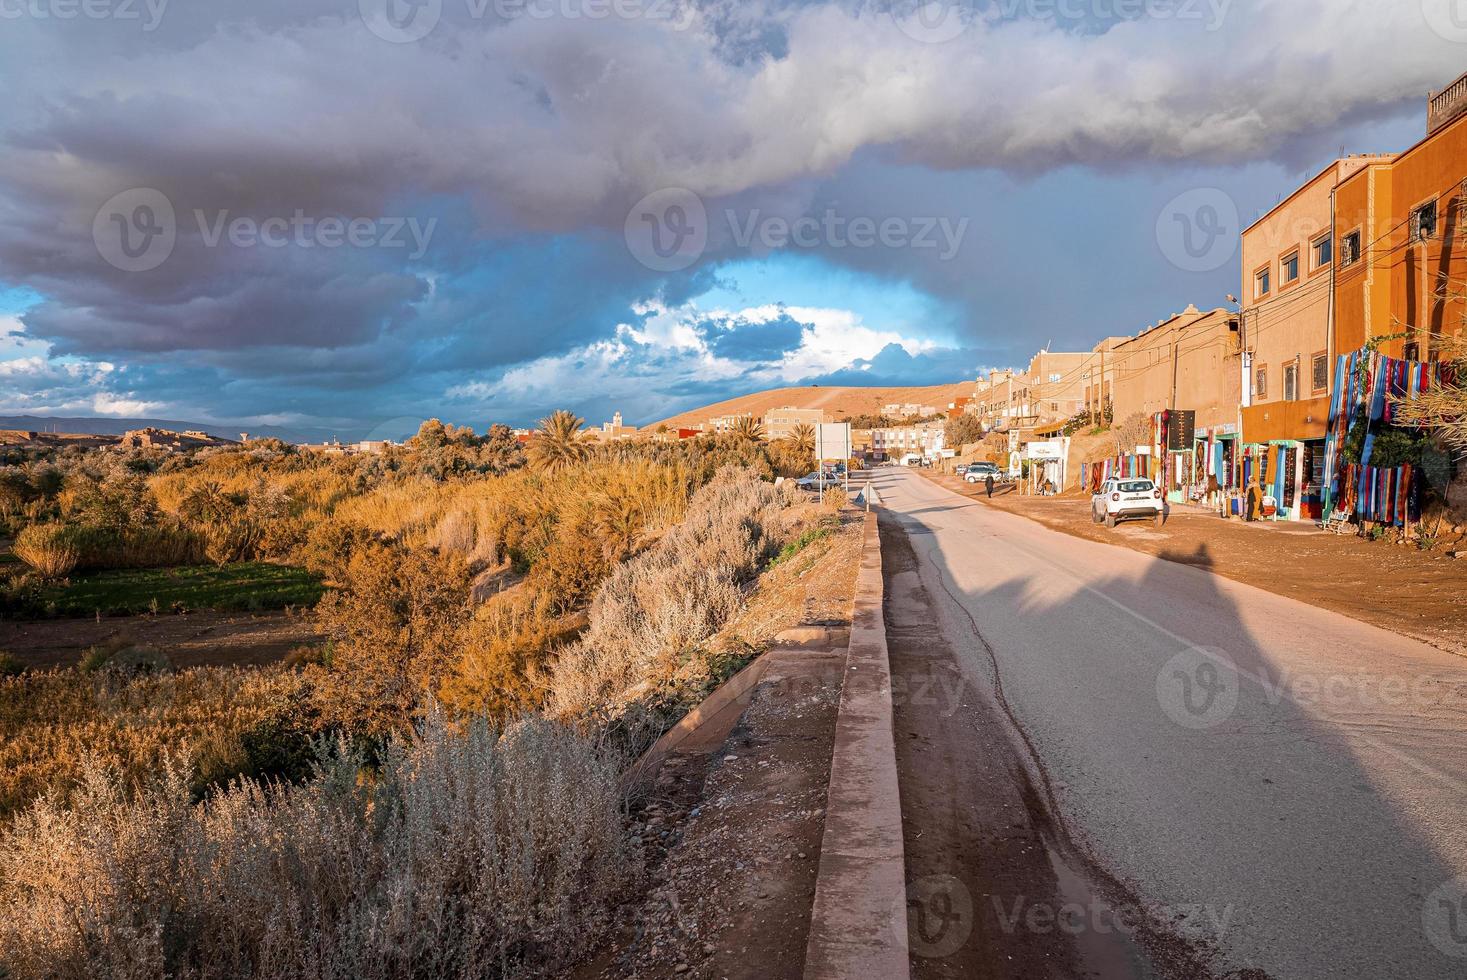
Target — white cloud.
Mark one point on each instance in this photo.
(104, 403)
(643, 370)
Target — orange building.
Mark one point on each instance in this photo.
(1287, 295)
(1398, 229)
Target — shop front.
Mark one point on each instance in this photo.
(1203, 474)
(1283, 450)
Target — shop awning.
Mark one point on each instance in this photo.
(1286, 421)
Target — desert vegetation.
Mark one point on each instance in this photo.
(435, 788)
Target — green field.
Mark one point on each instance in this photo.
(246, 586)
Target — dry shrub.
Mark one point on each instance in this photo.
(477, 854)
(502, 652)
(230, 539)
(655, 607)
(48, 549)
(50, 721)
(394, 627)
(56, 550)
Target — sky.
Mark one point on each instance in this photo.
(344, 216)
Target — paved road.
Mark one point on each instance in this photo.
(1292, 781)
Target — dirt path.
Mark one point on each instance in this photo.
(994, 889)
(189, 640)
(1415, 593)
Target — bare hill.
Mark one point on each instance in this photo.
(838, 402)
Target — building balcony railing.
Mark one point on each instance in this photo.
(1446, 105)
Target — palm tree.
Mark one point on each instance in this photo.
(560, 442)
(747, 427)
(802, 439)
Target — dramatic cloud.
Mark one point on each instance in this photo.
(684, 357)
(358, 225)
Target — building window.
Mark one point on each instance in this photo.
(1054, 378)
(1291, 382)
(1321, 372)
(1323, 251)
(1260, 382)
(1291, 268)
(1350, 248)
(1261, 283)
(1423, 222)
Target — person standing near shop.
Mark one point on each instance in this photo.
(1253, 501)
(988, 484)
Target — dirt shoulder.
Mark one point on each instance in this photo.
(732, 829)
(189, 639)
(1416, 593)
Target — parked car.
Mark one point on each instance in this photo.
(979, 472)
(1125, 498)
(811, 481)
(961, 469)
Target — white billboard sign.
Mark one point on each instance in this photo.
(833, 441)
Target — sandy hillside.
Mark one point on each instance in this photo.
(838, 402)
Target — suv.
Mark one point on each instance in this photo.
(978, 472)
(1121, 498)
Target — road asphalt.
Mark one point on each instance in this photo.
(1287, 787)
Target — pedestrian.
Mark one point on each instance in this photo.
(988, 483)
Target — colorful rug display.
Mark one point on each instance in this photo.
(1093, 475)
(1369, 385)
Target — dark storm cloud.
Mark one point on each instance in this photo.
(740, 340)
(528, 140)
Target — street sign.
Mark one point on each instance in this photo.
(832, 441)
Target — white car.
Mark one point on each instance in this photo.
(978, 472)
(1124, 498)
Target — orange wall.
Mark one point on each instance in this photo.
(1290, 326)
(1206, 369)
(1393, 289)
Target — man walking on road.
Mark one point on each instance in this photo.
(988, 484)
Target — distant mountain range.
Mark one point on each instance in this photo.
(116, 427)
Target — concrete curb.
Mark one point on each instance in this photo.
(858, 926)
(713, 713)
(706, 726)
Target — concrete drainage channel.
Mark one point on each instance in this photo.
(858, 926)
(847, 914)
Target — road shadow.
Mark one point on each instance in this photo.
(1154, 744)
